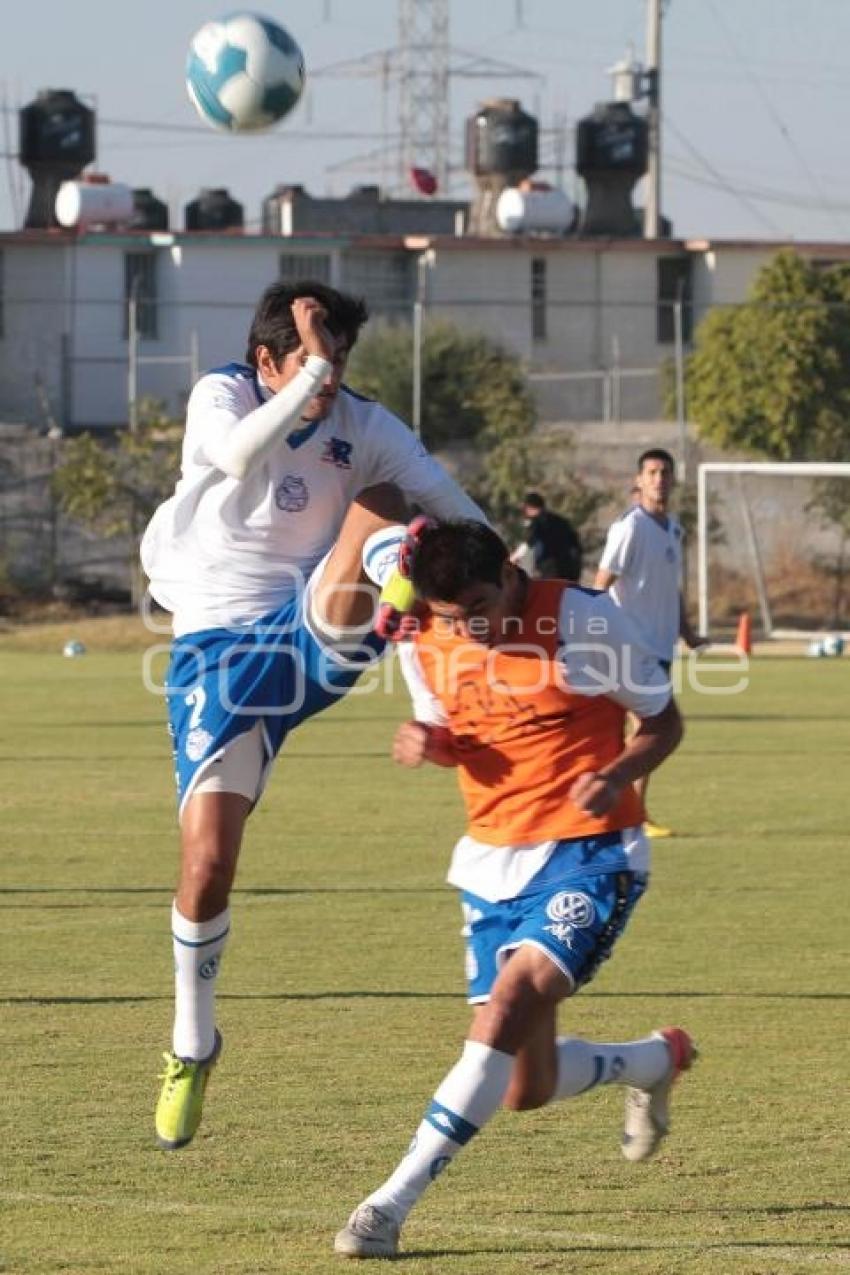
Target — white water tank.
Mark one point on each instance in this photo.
(522, 212)
(84, 204)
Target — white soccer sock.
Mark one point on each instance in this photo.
(471, 1092)
(198, 946)
(380, 553)
(583, 1064)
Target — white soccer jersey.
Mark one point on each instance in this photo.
(646, 558)
(221, 552)
(602, 654)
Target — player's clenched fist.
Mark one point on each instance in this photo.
(595, 794)
(410, 746)
(309, 315)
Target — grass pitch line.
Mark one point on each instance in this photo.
(565, 1239)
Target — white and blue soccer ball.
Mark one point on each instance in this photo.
(244, 73)
(73, 649)
(833, 645)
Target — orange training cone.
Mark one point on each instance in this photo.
(743, 638)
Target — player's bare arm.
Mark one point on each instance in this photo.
(596, 792)
(418, 742)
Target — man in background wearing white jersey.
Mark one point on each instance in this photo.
(641, 565)
(291, 499)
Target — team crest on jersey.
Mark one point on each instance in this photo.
(337, 452)
(291, 495)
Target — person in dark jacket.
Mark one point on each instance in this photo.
(551, 541)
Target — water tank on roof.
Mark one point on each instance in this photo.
(56, 141)
(149, 213)
(501, 140)
(81, 205)
(529, 212)
(214, 210)
(611, 156)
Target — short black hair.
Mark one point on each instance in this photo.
(451, 557)
(534, 499)
(656, 453)
(274, 326)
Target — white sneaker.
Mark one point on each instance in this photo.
(648, 1110)
(368, 1233)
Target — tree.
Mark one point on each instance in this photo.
(113, 487)
(473, 391)
(772, 376)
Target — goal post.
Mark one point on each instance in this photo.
(783, 469)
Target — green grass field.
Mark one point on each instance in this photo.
(342, 1001)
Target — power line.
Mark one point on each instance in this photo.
(722, 181)
(773, 113)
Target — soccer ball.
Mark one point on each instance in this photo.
(833, 645)
(73, 648)
(244, 73)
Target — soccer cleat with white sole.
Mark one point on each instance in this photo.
(369, 1232)
(181, 1100)
(648, 1110)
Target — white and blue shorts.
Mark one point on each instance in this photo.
(264, 681)
(575, 920)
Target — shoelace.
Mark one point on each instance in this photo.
(174, 1068)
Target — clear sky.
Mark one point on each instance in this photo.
(756, 96)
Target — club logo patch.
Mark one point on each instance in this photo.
(337, 452)
(209, 969)
(291, 495)
(197, 743)
(572, 908)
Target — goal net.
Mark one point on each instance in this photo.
(773, 539)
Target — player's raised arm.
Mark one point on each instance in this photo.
(294, 380)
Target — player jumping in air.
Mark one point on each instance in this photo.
(523, 686)
(291, 500)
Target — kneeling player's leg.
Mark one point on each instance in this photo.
(365, 554)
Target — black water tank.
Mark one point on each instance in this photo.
(149, 213)
(612, 139)
(501, 140)
(612, 153)
(214, 210)
(56, 141)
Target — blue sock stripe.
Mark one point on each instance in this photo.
(450, 1123)
(598, 1068)
(200, 942)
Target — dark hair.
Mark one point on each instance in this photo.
(274, 326)
(453, 556)
(534, 499)
(656, 453)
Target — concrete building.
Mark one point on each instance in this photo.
(591, 319)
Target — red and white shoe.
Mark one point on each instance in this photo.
(648, 1110)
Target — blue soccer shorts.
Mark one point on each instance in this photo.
(576, 922)
(222, 682)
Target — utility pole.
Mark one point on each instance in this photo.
(652, 209)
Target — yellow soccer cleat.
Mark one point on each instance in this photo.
(657, 830)
(181, 1102)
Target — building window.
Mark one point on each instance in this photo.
(675, 283)
(538, 299)
(383, 279)
(140, 283)
(314, 265)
